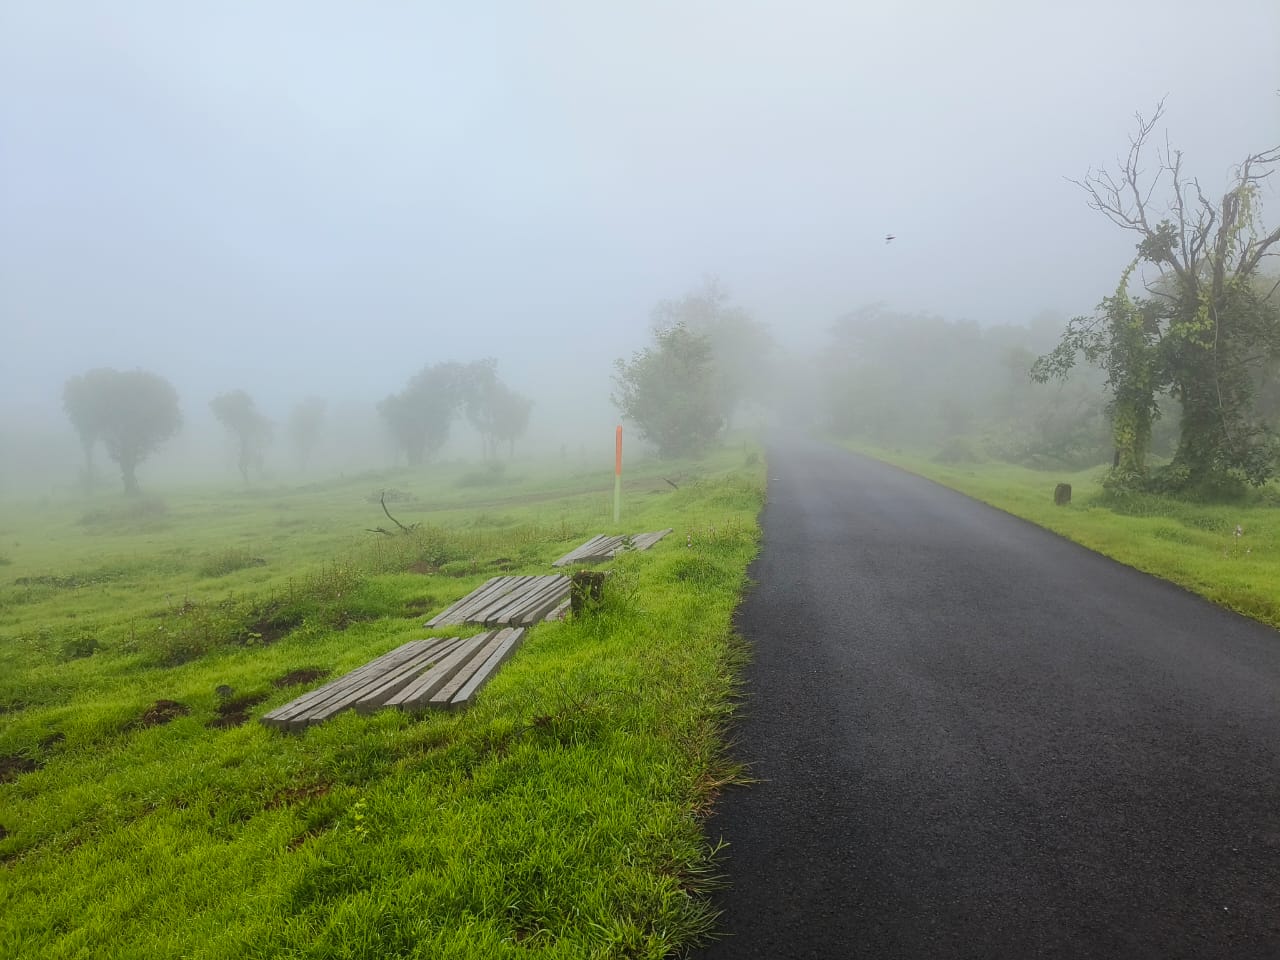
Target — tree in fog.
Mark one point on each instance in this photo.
(742, 349)
(1206, 333)
(131, 412)
(305, 423)
(236, 411)
(420, 415)
(498, 413)
(671, 393)
(80, 399)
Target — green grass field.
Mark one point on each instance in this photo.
(142, 814)
(1194, 545)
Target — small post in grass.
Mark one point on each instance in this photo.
(586, 590)
(1062, 494)
(617, 476)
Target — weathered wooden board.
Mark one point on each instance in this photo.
(484, 671)
(422, 674)
(600, 548)
(428, 689)
(281, 716)
(507, 602)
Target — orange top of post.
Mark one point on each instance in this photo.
(617, 454)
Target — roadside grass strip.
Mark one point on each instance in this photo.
(145, 813)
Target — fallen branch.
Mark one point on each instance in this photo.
(383, 530)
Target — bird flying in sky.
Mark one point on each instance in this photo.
(889, 238)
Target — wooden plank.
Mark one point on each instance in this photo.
(416, 693)
(501, 588)
(550, 587)
(644, 541)
(490, 612)
(533, 610)
(277, 716)
(392, 680)
(485, 671)
(467, 609)
(390, 684)
(438, 619)
(584, 550)
(539, 613)
(442, 697)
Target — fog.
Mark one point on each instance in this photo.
(307, 198)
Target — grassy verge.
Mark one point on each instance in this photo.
(143, 812)
(1191, 544)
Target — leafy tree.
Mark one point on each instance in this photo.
(1206, 333)
(510, 417)
(420, 415)
(80, 397)
(741, 347)
(305, 423)
(670, 392)
(498, 413)
(131, 412)
(236, 411)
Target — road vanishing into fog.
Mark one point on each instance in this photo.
(976, 739)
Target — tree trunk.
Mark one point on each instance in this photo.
(128, 471)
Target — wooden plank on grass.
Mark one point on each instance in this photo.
(439, 618)
(444, 696)
(540, 596)
(387, 681)
(420, 690)
(536, 607)
(485, 671)
(502, 589)
(279, 716)
(392, 683)
(602, 547)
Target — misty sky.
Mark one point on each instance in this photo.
(311, 197)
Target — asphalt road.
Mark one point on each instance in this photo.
(976, 739)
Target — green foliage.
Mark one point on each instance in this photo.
(669, 391)
(1206, 337)
(131, 412)
(419, 416)
(498, 413)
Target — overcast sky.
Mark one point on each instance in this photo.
(320, 197)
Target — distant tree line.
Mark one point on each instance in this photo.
(901, 380)
(419, 417)
(132, 413)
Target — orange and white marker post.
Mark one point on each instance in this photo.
(617, 476)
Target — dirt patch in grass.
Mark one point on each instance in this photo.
(235, 713)
(14, 765)
(270, 627)
(3, 832)
(159, 713)
(13, 706)
(424, 568)
(297, 677)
